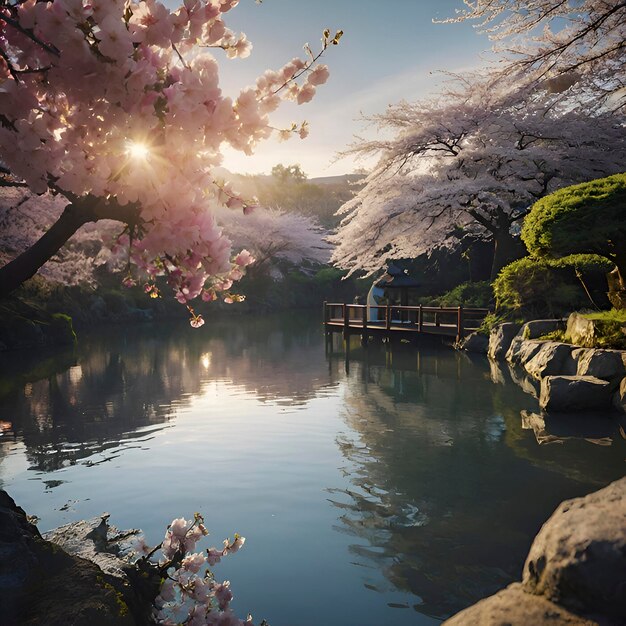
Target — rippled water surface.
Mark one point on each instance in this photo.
(386, 486)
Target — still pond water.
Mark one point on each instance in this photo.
(393, 488)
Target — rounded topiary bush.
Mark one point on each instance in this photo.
(587, 218)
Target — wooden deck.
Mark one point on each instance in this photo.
(403, 321)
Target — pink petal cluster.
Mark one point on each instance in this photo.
(186, 595)
(121, 100)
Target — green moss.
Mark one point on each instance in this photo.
(122, 607)
(614, 315)
(556, 335)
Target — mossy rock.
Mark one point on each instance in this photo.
(604, 329)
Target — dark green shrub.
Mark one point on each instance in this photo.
(469, 294)
(541, 286)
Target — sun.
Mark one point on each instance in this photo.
(137, 150)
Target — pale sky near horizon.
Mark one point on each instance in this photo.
(391, 51)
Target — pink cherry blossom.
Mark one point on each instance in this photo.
(306, 93)
(196, 321)
(214, 556)
(244, 258)
(223, 594)
(114, 39)
(193, 562)
(319, 75)
(119, 101)
(186, 596)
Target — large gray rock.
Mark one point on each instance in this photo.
(475, 342)
(514, 348)
(96, 541)
(549, 360)
(581, 331)
(575, 573)
(570, 367)
(40, 583)
(574, 393)
(522, 350)
(539, 328)
(500, 339)
(578, 559)
(606, 364)
(514, 607)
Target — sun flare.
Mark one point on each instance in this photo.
(137, 150)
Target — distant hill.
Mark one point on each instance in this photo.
(336, 180)
(318, 197)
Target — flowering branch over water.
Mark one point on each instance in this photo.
(188, 596)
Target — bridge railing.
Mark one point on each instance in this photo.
(394, 317)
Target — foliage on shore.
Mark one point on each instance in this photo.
(540, 286)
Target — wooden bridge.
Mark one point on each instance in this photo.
(402, 321)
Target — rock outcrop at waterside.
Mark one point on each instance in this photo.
(573, 378)
(574, 393)
(575, 572)
(551, 359)
(95, 541)
(522, 350)
(500, 339)
(539, 328)
(609, 365)
(40, 583)
(578, 559)
(475, 342)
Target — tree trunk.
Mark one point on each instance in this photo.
(617, 280)
(79, 212)
(507, 248)
(620, 263)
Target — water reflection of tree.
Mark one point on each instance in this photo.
(124, 383)
(438, 499)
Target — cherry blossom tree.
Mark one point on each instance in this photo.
(558, 40)
(470, 163)
(115, 107)
(277, 234)
(25, 218)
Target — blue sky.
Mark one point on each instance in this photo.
(390, 51)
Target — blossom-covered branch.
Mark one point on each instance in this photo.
(121, 101)
(544, 39)
(187, 595)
